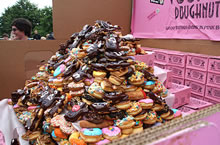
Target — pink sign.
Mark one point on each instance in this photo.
(181, 19)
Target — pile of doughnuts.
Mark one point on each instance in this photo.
(91, 91)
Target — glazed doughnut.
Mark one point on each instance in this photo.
(171, 116)
(120, 72)
(118, 88)
(149, 85)
(157, 107)
(127, 131)
(67, 127)
(75, 86)
(74, 139)
(57, 82)
(137, 130)
(106, 86)
(99, 74)
(146, 103)
(141, 116)
(91, 135)
(129, 88)
(151, 118)
(135, 109)
(59, 70)
(103, 124)
(123, 105)
(77, 93)
(96, 91)
(111, 132)
(125, 123)
(98, 80)
(136, 79)
(136, 95)
(116, 80)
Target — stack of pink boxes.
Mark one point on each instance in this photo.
(212, 93)
(196, 74)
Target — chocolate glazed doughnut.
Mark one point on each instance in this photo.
(115, 97)
(93, 117)
(101, 107)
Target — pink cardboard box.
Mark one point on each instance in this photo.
(168, 81)
(186, 110)
(214, 64)
(213, 101)
(213, 93)
(160, 64)
(182, 94)
(198, 104)
(196, 75)
(197, 96)
(177, 71)
(147, 58)
(213, 79)
(179, 81)
(161, 56)
(197, 88)
(197, 61)
(176, 58)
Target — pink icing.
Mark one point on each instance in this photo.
(32, 107)
(9, 100)
(62, 67)
(102, 142)
(177, 114)
(111, 131)
(16, 106)
(89, 80)
(147, 101)
(75, 108)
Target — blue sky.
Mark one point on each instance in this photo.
(6, 3)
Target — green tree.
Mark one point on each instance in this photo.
(41, 19)
(45, 26)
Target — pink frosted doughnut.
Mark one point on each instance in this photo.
(16, 106)
(147, 101)
(111, 132)
(66, 127)
(177, 113)
(102, 142)
(32, 107)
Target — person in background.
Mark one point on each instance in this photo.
(50, 36)
(12, 36)
(21, 28)
(36, 35)
(5, 36)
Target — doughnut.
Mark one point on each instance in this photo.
(123, 105)
(136, 79)
(127, 131)
(96, 91)
(91, 135)
(55, 137)
(75, 141)
(158, 87)
(59, 70)
(57, 120)
(177, 113)
(151, 118)
(98, 80)
(138, 124)
(77, 93)
(124, 136)
(157, 107)
(116, 80)
(93, 117)
(106, 86)
(100, 107)
(116, 115)
(103, 124)
(125, 123)
(118, 89)
(100, 74)
(103, 142)
(120, 72)
(57, 82)
(111, 132)
(42, 76)
(164, 92)
(136, 95)
(171, 116)
(146, 103)
(59, 134)
(75, 86)
(140, 65)
(149, 85)
(67, 127)
(141, 116)
(137, 130)
(129, 88)
(135, 109)
(81, 54)
(88, 82)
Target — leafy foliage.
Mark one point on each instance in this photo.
(41, 19)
